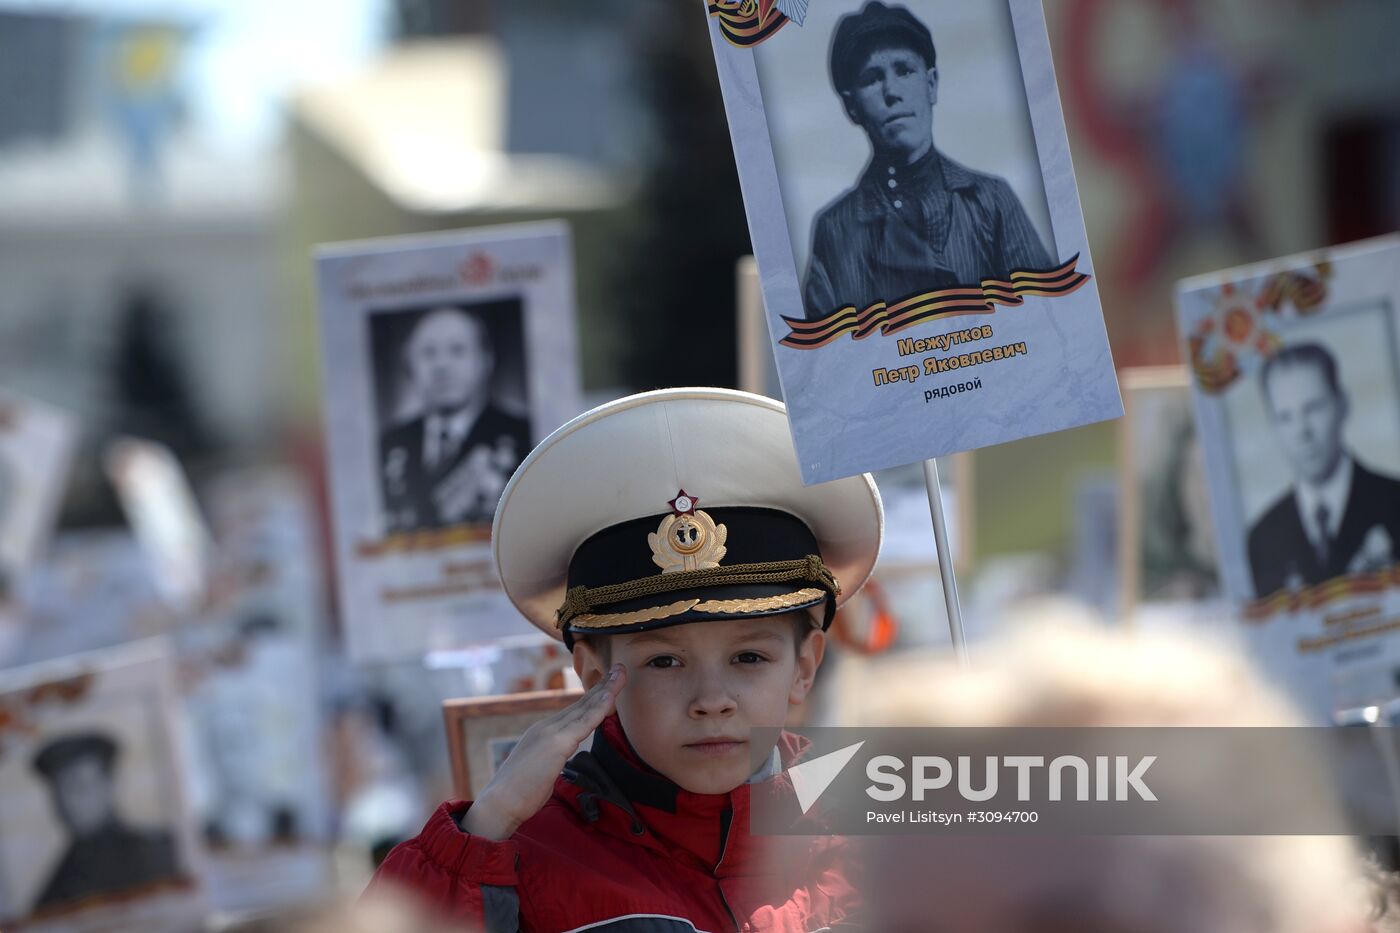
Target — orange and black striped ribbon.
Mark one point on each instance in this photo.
(746, 23)
(931, 306)
(1328, 591)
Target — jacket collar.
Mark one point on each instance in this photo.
(610, 787)
(933, 166)
(870, 204)
(638, 781)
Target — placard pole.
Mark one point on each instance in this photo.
(1383, 733)
(945, 559)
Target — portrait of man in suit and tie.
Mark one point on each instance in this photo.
(1340, 516)
(448, 443)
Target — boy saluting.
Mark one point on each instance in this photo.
(667, 538)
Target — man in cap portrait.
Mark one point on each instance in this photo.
(448, 464)
(105, 855)
(915, 221)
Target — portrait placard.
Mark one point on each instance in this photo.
(925, 273)
(36, 451)
(1166, 535)
(1295, 371)
(252, 702)
(445, 357)
(95, 833)
(481, 731)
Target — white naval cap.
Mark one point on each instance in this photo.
(675, 506)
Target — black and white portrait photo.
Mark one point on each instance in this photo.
(95, 828)
(902, 137)
(1341, 512)
(915, 219)
(105, 852)
(1294, 367)
(447, 356)
(1167, 543)
(450, 387)
(905, 167)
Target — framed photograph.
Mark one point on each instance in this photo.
(481, 731)
(925, 273)
(36, 451)
(446, 357)
(95, 833)
(1295, 373)
(1166, 536)
(251, 698)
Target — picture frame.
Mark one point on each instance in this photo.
(1295, 379)
(454, 353)
(96, 830)
(482, 730)
(1159, 469)
(879, 361)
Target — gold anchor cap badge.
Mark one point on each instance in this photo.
(687, 539)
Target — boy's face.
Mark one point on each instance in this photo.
(695, 690)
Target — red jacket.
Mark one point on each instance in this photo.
(620, 849)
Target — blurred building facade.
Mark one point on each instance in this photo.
(1207, 135)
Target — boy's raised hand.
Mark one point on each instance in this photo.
(525, 780)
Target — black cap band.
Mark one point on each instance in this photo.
(770, 564)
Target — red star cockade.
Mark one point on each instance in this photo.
(683, 504)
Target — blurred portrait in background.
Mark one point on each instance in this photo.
(1340, 516)
(450, 437)
(105, 854)
(1178, 545)
(1168, 532)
